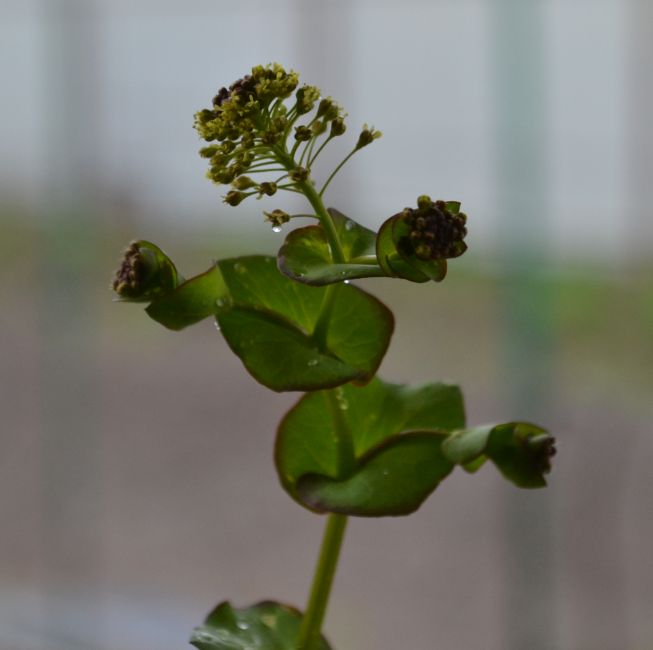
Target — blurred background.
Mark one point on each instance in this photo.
(136, 480)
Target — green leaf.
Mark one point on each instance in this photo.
(270, 320)
(191, 302)
(389, 258)
(375, 416)
(521, 451)
(392, 479)
(306, 257)
(264, 626)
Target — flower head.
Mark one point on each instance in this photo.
(437, 230)
(144, 273)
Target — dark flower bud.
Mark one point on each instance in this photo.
(543, 448)
(221, 97)
(299, 174)
(145, 273)
(338, 127)
(436, 230)
(243, 89)
(303, 133)
(267, 187)
(234, 197)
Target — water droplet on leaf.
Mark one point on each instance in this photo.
(312, 362)
(242, 625)
(276, 228)
(240, 268)
(349, 224)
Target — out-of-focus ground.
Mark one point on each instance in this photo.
(138, 487)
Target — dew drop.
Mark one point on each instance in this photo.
(312, 362)
(240, 268)
(276, 228)
(242, 625)
(349, 224)
(219, 303)
(217, 326)
(346, 281)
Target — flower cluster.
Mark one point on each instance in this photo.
(251, 129)
(437, 230)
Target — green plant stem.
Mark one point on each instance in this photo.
(308, 189)
(336, 170)
(309, 633)
(316, 202)
(321, 331)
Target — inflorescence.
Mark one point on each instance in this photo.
(251, 130)
(437, 230)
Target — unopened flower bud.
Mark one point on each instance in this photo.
(303, 133)
(234, 197)
(144, 273)
(299, 174)
(327, 109)
(267, 187)
(243, 183)
(306, 98)
(209, 152)
(338, 127)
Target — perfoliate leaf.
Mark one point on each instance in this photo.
(191, 302)
(306, 256)
(270, 322)
(392, 479)
(393, 428)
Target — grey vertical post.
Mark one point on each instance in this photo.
(71, 496)
(520, 91)
(639, 135)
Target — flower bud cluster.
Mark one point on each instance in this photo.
(144, 273)
(436, 230)
(543, 450)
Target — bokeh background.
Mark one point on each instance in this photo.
(136, 481)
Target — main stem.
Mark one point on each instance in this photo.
(309, 634)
